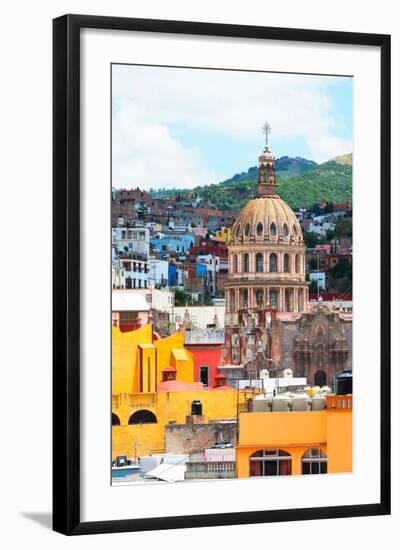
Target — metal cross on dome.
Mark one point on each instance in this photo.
(267, 130)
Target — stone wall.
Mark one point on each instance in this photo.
(188, 438)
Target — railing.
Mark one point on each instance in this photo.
(339, 402)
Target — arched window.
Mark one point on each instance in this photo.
(115, 420)
(245, 298)
(297, 263)
(287, 299)
(143, 417)
(273, 263)
(259, 229)
(272, 229)
(273, 298)
(259, 297)
(245, 263)
(271, 462)
(259, 262)
(314, 461)
(286, 263)
(247, 230)
(234, 263)
(285, 230)
(238, 230)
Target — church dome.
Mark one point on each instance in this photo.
(267, 218)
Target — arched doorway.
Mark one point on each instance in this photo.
(143, 417)
(320, 378)
(270, 462)
(115, 421)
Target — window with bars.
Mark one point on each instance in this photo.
(314, 461)
(270, 462)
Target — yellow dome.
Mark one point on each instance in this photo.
(266, 219)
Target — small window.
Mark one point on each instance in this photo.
(247, 230)
(273, 298)
(286, 263)
(238, 230)
(294, 230)
(260, 228)
(273, 263)
(234, 264)
(314, 461)
(272, 230)
(204, 375)
(285, 230)
(259, 262)
(245, 263)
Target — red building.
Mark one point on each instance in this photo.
(206, 346)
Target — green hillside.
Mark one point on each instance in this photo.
(300, 182)
(330, 181)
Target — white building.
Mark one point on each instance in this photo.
(131, 240)
(321, 228)
(129, 308)
(202, 317)
(140, 302)
(213, 266)
(130, 273)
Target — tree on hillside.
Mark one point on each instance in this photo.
(311, 239)
(344, 228)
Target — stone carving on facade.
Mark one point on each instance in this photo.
(320, 348)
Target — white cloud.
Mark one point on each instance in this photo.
(235, 104)
(146, 155)
(326, 147)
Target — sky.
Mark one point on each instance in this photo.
(180, 127)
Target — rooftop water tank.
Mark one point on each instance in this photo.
(318, 402)
(301, 402)
(281, 403)
(262, 403)
(197, 408)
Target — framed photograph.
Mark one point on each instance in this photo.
(221, 269)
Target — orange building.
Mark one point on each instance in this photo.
(296, 443)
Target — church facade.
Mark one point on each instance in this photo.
(269, 325)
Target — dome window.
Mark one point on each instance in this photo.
(247, 230)
(260, 228)
(285, 230)
(294, 230)
(272, 229)
(238, 230)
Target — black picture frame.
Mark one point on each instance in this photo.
(66, 270)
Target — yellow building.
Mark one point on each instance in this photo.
(145, 399)
(284, 443)
(223, 235)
